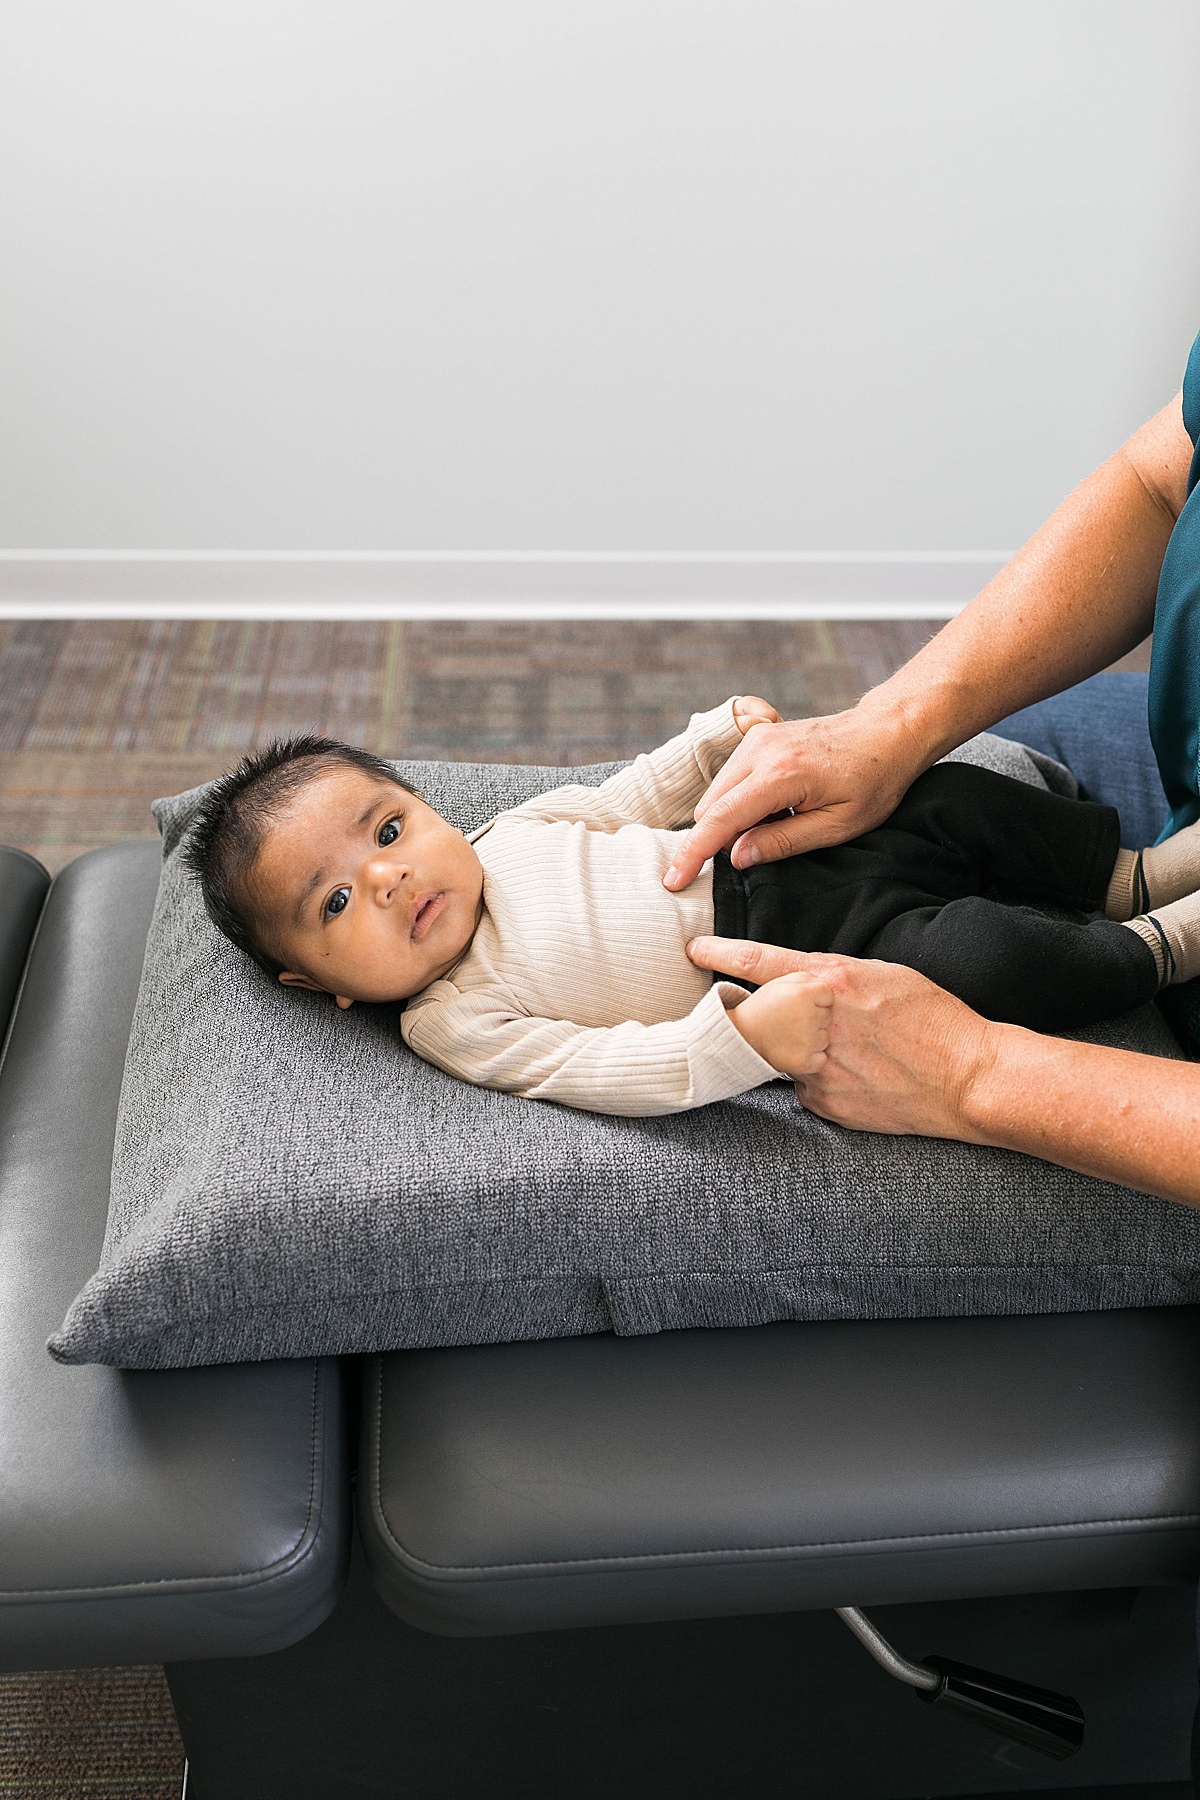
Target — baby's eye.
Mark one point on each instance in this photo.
(337, 902)
(389, 832)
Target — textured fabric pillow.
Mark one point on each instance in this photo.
(290, 1180)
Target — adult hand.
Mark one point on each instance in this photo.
(903, 1055)
(841, 775)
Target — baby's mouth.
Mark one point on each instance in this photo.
(424, 913)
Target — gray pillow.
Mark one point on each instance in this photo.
(290, 1180)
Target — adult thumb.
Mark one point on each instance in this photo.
(790, 836)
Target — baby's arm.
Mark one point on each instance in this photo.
(662, 787)
(631, 1069)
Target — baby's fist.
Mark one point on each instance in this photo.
(787, 1022)
(749, 709)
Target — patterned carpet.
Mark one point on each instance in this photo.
(89, 1734)
(98, 718)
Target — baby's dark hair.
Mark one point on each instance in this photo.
(232, 822)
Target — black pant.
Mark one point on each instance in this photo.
(952, 884)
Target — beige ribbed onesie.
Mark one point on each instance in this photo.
(576, 986)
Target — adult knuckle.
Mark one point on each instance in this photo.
(718, 810)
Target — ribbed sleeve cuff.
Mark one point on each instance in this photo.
(724, 1063)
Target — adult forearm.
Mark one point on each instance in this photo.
(1078, 595)
(1123, 1117)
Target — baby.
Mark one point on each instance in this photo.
(543, 955)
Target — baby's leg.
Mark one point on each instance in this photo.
(1013, 840)
(919, 889)
(1020, 966)
(960, 832)
(1033, 845)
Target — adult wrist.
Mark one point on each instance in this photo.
(910, 728)
(923, 721)
(986, 1097)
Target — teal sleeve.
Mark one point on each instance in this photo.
(1191, 393)
(1174, 701)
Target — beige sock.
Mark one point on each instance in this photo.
(1126, 895)
(1156, 943)
(1171, 870)
(1173, 934)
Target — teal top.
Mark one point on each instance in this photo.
(1175, 663)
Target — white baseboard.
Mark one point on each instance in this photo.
(86, 584)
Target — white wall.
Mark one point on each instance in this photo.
(603, 275)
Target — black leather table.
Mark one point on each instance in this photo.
(608, 1480)
(203, 1512)
(581, 1565)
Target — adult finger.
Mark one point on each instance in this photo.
(797, 832)
(758, 963)
(741, 819)
(736, 812)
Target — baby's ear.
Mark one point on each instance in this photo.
(290, 979)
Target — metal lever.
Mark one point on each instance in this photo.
(1045, 1721)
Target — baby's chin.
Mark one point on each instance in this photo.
(386, 995)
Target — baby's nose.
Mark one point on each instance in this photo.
(386, 876)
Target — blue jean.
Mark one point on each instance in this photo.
(1099, 730)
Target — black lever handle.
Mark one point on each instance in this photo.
(1051, 1723)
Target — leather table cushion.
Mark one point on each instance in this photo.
(23, 883)
(143, 1517)
(610, 1480)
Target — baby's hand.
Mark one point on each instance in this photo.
(787, 1022)
(749, 710)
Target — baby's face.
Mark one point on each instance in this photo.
(368, 893)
